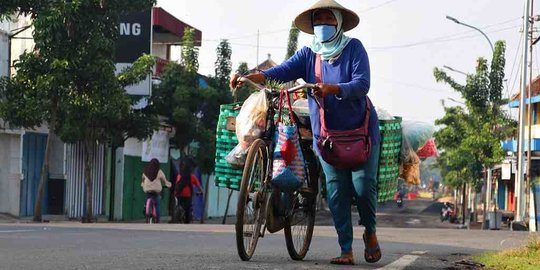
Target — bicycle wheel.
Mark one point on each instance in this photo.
(250, 214)
(301, 221)
(148, 210)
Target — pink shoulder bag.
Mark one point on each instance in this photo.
(343, 149)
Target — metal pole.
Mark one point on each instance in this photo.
(529, 140)
(257, 63)
(470, 26)
(521, 159)
(487, 204)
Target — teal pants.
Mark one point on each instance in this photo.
(342, 185)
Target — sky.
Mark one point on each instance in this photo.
(405, 41)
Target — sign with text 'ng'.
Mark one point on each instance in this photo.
(134, 40)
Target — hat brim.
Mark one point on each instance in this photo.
(303, 21)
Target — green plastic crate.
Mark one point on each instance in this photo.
(388, 170)
(225, 175)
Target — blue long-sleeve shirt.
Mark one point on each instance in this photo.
(350, 72)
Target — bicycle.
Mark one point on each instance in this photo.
(150, 208)
(178, 212)
(262, 206)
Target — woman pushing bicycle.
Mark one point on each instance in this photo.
(342, 118)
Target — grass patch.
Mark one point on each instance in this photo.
(524, 258)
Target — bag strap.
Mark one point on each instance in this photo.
(318, 79)
(365, 125)
(280, 107)
(283, 93)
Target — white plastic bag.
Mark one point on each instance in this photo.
(383, 114)
(251, 120)
(237, 156)
(250, 124)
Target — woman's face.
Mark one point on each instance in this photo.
(324, 16)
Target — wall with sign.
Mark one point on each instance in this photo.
(156, 147)
(135, 39)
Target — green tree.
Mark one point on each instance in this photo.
(292, 45)
(243, 68)
(223, 64)
(242, 93)
(70, 75)
(190, 53)
(470, 137)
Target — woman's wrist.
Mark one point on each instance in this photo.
(259, 77)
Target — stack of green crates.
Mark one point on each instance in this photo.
(225, 175)
(389, 159)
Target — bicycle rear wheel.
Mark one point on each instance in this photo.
(250, 214)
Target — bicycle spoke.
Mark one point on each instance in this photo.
(252, 210)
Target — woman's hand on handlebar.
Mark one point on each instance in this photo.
(255, 77)
(323, 90)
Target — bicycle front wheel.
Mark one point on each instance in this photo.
(250, 214)
(299, 226)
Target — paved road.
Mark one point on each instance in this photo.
(172, 246)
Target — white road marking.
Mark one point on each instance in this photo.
(16, 231)
(401, 263)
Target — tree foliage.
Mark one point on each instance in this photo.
(292, 44)
(470, 138)
(190, 53)
(242, 93)
(69, 80)
(223, 64)
(193, 108)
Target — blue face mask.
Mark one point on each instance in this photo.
(324, 32)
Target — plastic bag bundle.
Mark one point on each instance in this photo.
(417, 133)
(237, 156)
(384, 114)
(410, 164)
(251, 119)
(428, 150)
(250, 124)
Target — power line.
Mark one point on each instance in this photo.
(518, 74)
(377, 6)
(412, 85)
(261, 34)
(436, 40)
(513, 66)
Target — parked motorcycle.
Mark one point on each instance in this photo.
(448, 212)
(399, 201)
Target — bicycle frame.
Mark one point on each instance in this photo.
(151, 204)
(268, 135)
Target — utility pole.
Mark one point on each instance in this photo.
(529, 115)
(257, 63)
(521, 160)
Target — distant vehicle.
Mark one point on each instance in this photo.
(448, 212)
(399, 201)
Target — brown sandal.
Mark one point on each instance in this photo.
(344, 259)
(371, 254)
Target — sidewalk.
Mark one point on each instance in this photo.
(420, 213)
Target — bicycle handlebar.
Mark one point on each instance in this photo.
(290, 90)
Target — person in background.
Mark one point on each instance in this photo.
(152, 178)
(185, 182)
